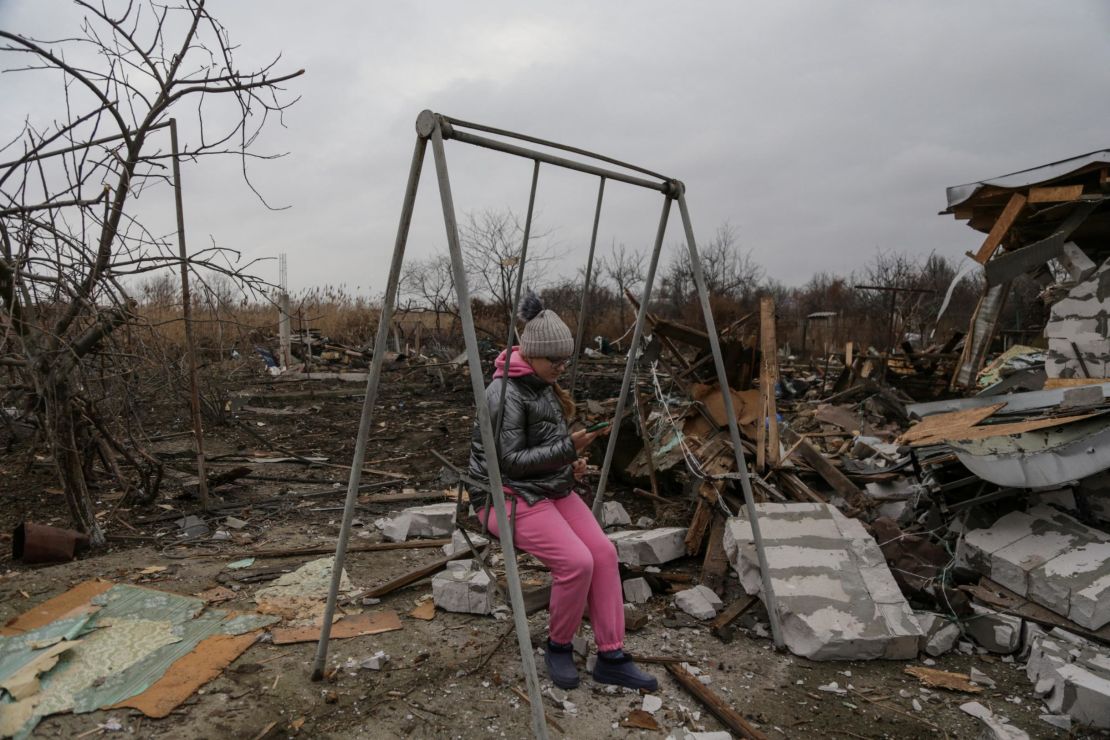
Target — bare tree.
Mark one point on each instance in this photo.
(69, 238)
(491, 246)
(428, 283)
(730, 271)
(625, 268)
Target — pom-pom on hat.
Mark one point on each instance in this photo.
(545, 334)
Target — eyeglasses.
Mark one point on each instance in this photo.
(560, 362)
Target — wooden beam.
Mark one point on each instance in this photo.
(1001, 228)
(715, 704)
(714, 569)
(417, 574)
(699, 525)
(768, 379)
(824, 468)
(1055, 194)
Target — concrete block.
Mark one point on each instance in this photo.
(645, 522)
(463, 591)
(649, 547)
(939, 634)
(397, 529)
(836, 598)
(636, 591)
(1012, 564)
(433, 520)
(458, 543)
(975, 548)
(942, 640)
(998, 633)
(1050, 558)
(1086, 696)
(697, 602)
(614, 515)
(1072, 675)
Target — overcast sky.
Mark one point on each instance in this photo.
(822, 131)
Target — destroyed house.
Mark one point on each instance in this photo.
(1050, 223)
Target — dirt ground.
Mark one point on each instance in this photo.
(438, 682)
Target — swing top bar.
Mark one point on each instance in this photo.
(427, 120)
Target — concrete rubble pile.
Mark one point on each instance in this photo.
(1072, 676)
(913, 501)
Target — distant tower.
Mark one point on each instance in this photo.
(284, 323)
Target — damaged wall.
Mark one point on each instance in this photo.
(1082, 317)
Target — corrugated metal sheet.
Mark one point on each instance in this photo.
(957, 194)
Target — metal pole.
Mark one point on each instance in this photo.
(730, 412)
(630, 364)
(368, 404)
(516, 302)
(586, 289)
(187, 313)
(462, 292)
(570, 164)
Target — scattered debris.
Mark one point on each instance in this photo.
(995, 727)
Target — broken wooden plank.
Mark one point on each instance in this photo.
(354, 625)
(798, 489)
(1001, 228)
(720, 708)
(1055, 193)
(824, 468)
(699, 525)
(417, 574)
(721, 626)
(372, 547)
(939, 427)
(662, 659)
(939, 679)
(714, 568)
(1017, 427)
(768, 381)
(733, 611)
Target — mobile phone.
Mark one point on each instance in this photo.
(598, 425)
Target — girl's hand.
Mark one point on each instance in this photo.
(579, 469)
(583, 439)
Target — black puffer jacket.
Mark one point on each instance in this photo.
(536, 450)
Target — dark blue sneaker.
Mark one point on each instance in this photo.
(560, 665)
(614, 667)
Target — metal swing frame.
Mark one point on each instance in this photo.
(434, 128)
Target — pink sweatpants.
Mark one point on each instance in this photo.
(564, 536)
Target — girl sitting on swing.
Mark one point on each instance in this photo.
(540, 463)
